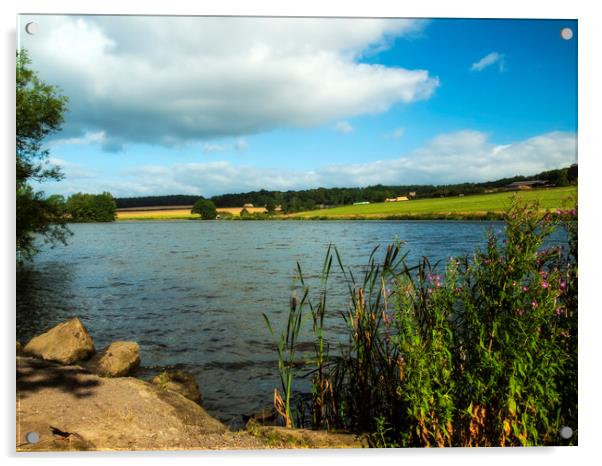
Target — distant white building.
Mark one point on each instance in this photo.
(361, 203)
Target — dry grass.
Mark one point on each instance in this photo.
(156, 214)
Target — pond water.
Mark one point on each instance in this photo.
(192, 293)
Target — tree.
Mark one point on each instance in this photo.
(39, 112)
(205, 208)
(270, 206)
(91, 207)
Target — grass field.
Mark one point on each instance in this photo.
(174, 214)
(474, 206)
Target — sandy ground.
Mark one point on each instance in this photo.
(72, 409)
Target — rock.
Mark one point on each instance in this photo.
(181, 382)
(119, 359)
(70, 408)
(66, 343)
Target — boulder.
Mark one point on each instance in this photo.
(66, 343)
(119, 359)
(180, 382)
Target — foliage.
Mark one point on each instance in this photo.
(91, 208)
(286, 348)
(484, 354)
(205, 208)
(152, 201)
(39, 113)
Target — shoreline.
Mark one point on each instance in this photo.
(442, 216)
(71, 397)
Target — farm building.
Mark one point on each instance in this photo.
(397, 199)
(528, 184)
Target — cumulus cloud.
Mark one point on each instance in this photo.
(344, 127)
(489, 60)
(172, 80)
(436, 162)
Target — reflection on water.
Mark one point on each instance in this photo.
(192, 293)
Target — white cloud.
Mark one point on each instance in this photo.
(171, 80)
(209, 147)
(398, 133)
(489, 60)
(344, 127)
(462, 156)
(97, 137)
(72, 170)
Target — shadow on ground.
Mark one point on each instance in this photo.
(36, 374)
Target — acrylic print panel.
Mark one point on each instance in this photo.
(253, 233)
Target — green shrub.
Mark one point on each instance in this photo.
(205, 208)
(484, 354)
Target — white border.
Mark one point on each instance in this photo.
(589, 155)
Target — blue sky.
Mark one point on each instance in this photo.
(213, 105)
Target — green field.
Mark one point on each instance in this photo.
(474, 206)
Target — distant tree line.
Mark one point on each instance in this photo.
(308, 199)
(150, 201)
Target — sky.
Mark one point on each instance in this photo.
(213, 105)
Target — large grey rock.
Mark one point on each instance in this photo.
(66, 343)
(181, 382)
(119, 359)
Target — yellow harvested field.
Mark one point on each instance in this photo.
(236, 210)
(176, 214)
(167, 214)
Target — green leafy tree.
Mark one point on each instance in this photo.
(205, 208)
(91, 207)
(39, 112)
(270, 206)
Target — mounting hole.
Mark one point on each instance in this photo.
(566, 33)
(566, 433)
(32, 437)
(31, 28)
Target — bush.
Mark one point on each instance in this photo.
(91, 207)
(482, 355)
(205, 208)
